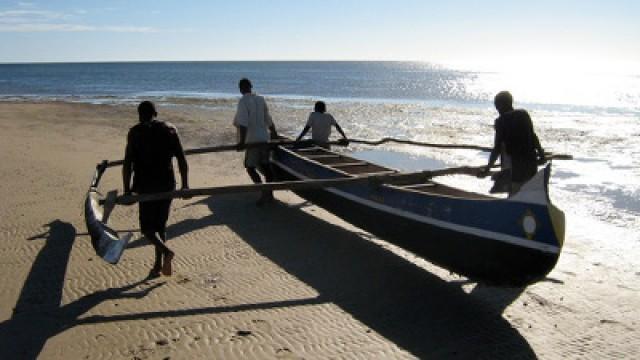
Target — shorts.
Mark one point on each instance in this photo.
(154, 215)
(256, 156)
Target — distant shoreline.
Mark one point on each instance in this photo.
(435, 64)
(393, 82)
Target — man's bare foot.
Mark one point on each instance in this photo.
(166, 264)
(154, 273)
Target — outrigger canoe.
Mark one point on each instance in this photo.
(514, 241)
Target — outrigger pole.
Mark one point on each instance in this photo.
(373, 180)
(280, 142)
(446, 146)
(223, 148)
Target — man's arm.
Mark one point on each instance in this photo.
(241, 121)
(126, 167)
(269, 122)
(497, 144)
(183, 166)
(539, 149)
(536, 141)
(274, 133)
(340, 130)
(303, 133)
(242, 136)
(307, 127)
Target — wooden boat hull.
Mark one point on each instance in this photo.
(498, 241)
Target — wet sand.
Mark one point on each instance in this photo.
(285, 281)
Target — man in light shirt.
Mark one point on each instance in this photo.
(255, 126)
(320, 123)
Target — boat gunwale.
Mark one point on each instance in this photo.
(390, 185)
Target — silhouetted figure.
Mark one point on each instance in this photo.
(151, 146)
(255, 127)
(320, 123)
(516, 142)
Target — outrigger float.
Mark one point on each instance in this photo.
(514, 241)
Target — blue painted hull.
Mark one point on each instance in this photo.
(485, 239)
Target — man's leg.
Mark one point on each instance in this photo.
(259, 157)
(267, 171)
(267, 195)
(146, 213)
(157, 266)
(253, 174)
(160, 249)
(153, 219)
(251, 161)
(164, 207)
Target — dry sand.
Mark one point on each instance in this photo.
(287, 281)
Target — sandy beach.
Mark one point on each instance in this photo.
(287, 281)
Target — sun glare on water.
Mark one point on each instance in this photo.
(560, 82)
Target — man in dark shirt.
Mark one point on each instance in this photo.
(151, 146)
(516, 142)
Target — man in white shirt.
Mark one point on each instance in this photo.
(255, 126)
(320, 123)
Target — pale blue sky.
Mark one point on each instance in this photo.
(462, 32)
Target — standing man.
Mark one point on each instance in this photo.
(255, 128)
(515, 138)
(151, 146)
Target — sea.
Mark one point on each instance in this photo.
(593, 116)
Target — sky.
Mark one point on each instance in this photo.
(463, 33)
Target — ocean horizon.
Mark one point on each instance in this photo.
(377, 81)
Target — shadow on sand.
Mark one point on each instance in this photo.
(406, 304)
(38, 314)
(416, 310)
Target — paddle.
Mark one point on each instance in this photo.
(373, 180)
